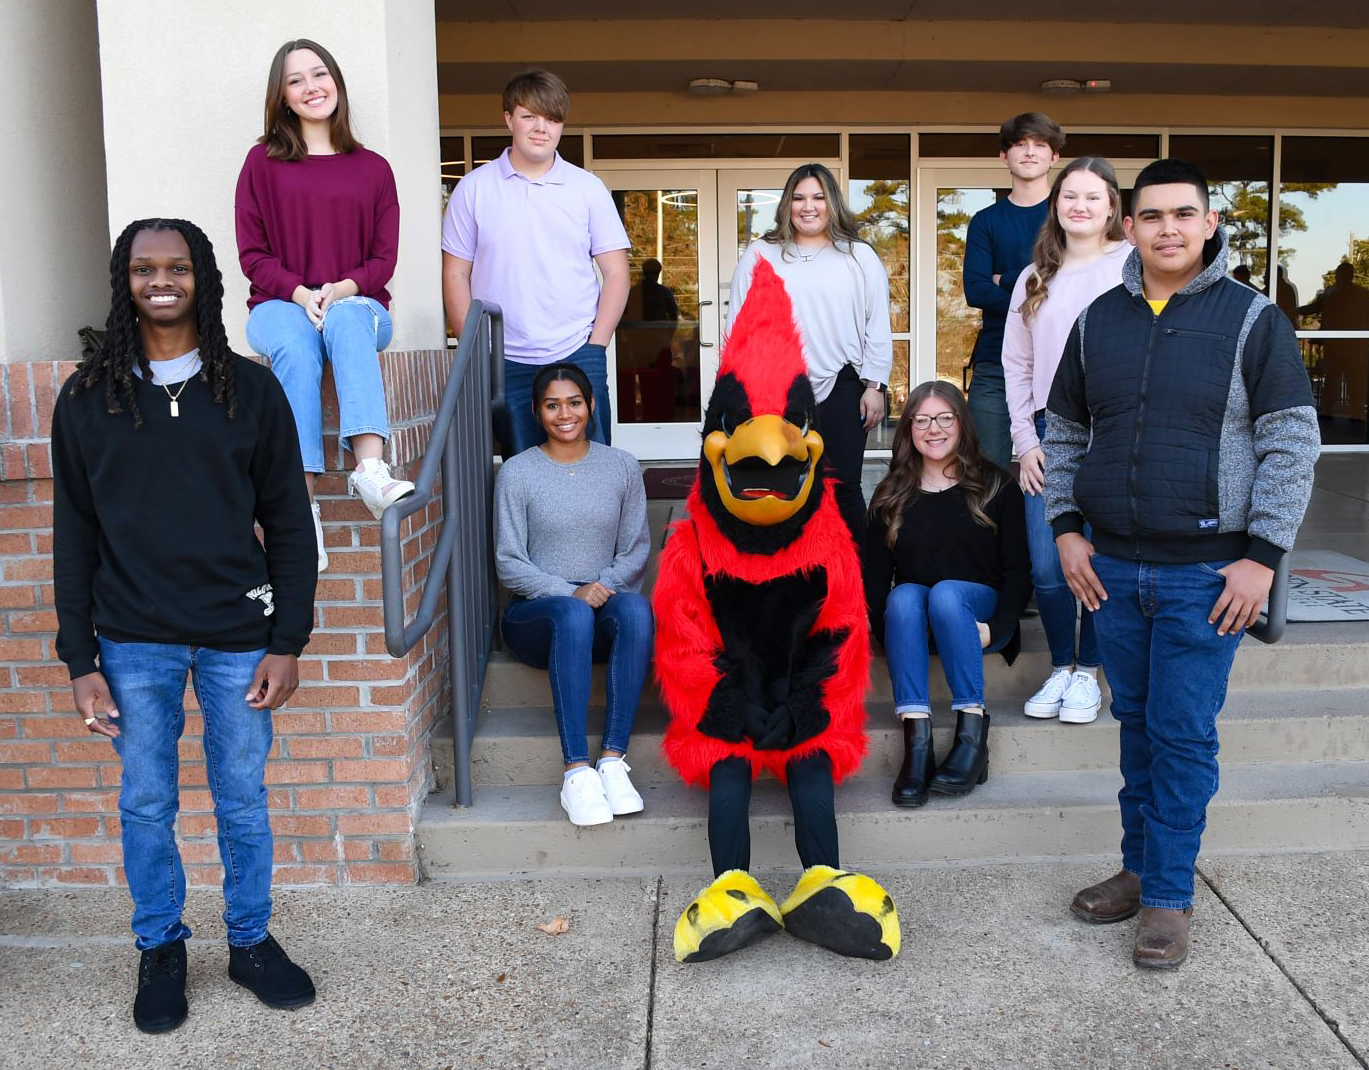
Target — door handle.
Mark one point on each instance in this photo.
(704, 304)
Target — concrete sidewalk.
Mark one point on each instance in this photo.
(995, 975)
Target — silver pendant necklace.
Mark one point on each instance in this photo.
(175, 404)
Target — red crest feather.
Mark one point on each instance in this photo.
(764, 349)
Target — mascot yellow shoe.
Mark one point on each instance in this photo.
(730, 913)
(844, 912)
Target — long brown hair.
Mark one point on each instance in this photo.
(841, 221)
(283, 138)
(980, 479)
(1049, 250)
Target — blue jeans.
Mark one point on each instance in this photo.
(950, 610)
(519, 428)
(355, 329)
(1168, 669)
(1059, 608)
(988, 403)
(147, 684)
(565, 636)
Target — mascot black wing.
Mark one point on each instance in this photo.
(762, 646)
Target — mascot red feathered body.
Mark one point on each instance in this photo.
(762, 646)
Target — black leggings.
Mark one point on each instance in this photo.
(810, 794)
(843, 439)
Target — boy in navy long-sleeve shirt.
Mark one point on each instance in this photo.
(998, 248)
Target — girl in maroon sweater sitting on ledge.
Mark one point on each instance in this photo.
(318, 238)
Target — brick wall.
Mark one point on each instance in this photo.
(350, 764)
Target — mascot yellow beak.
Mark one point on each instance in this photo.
(764, 469)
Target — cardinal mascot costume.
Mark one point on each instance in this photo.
(762, 647)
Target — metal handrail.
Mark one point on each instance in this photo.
(463, 555)
(1269, 628)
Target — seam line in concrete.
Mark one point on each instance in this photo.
(651, 986)
(1263, 945)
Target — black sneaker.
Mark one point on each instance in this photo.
(160, 1004)
(267, 971)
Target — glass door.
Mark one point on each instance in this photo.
(947, 198)
(664, 356)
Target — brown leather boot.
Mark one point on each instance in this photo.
(1115, 899)
(1162, 939)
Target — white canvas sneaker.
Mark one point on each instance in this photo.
(1082, 700)
(318, 537)
(1046, 702)
(378, 489)
(583, 799)
(623, 798)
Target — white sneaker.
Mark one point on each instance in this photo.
(1082, 700)
(583, 799)
(623, 798)
(318, 537)
(378, 489)
(1046, 702)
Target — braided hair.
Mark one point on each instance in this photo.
(122, 345)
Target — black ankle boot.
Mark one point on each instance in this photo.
(919, 763)
(968, 762)
(160, 1004)
(267, 972)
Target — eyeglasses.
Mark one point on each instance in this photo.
(944, 420)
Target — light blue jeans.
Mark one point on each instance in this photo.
(147, 683)
(947, 612)
(355, 329)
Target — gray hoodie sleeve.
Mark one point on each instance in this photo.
(1067, 435)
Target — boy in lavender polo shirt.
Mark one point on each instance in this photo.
(525, 232)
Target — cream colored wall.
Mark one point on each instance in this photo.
(183, 103)
(54, 259)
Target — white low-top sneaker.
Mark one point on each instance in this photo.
(378, 489)
(318, 537)
(583, 799)
(1046, 702)
(1082, 699)
(623, 798)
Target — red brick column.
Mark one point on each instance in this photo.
(350, 764)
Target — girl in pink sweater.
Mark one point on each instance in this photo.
(318, 238)
(1078, 256)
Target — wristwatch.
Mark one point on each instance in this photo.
(872, 384)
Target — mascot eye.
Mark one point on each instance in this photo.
(799, 418)
(726, 423)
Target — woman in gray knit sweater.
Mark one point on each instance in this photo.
(571, 546)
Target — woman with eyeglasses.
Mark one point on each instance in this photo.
(946, 563)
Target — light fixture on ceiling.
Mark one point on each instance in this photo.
(1097, 85)
(1061, 85)
(716, 87)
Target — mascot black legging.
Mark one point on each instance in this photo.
(843, 441)
(810, 794)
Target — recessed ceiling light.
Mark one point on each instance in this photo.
(1061, 85)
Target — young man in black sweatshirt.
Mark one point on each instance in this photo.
(1180, 426)
(166, 449)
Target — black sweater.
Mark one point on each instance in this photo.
(940, 540)
(153, 536)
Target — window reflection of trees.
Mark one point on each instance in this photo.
(957, 324)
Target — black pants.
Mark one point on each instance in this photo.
(843, 438)
(810, 794)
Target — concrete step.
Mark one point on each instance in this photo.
(1303, 806)
(1310, 657)
(519, 745)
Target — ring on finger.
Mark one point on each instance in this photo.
(89, 721)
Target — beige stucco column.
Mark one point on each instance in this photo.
(183, 97)
(54, 257)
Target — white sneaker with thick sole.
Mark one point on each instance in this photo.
(1046, 702)
(318, 537)
(378, 489)
(623, 798)
(583, 799)
(1082, 699)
